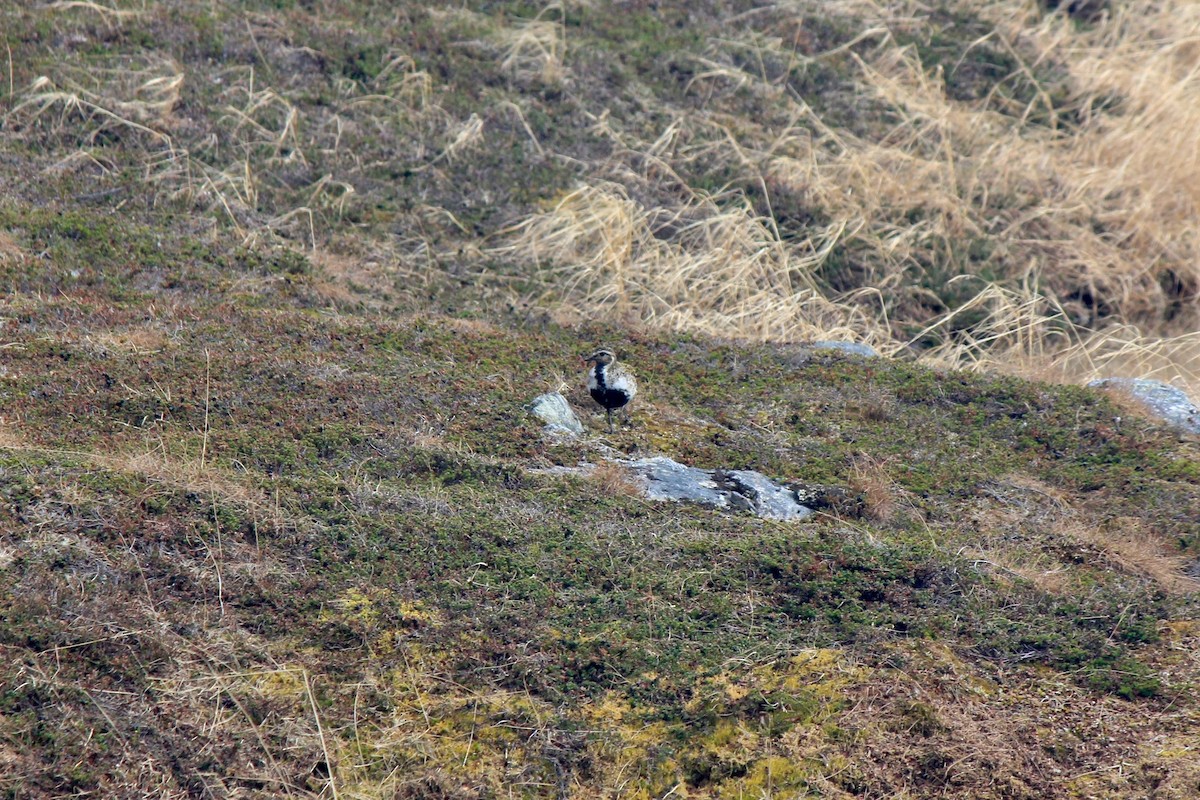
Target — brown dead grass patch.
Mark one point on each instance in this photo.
(10, 251)
(1131, 547)
(472, 326)
(1009, 543)
(882, 496)
(154, 467)
(614, 480)
(1039, 568)
(140, 340)
(1037, 489)
(344, 279)
(1020, 528)
(11, 438)
(205, 480)
(1016, 735)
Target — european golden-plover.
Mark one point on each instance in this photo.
(609, 383)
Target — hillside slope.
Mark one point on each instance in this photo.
(279, 282)
(254, 544)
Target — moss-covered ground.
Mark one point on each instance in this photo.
(274, 519)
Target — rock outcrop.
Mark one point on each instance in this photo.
(1163, 400)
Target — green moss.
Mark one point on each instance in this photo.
(1123, 676)
(642, 36)
(285, 261)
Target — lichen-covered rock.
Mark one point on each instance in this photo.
(734, 490)
(833, 499)
(767, 498)
(554, 410)
(1170, 404)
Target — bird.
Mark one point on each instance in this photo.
(609, 383)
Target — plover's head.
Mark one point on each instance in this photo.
(601, 357)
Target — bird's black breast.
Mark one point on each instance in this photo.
(610, 398)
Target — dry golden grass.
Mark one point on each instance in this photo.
(111, 14)
(401, 81)
(138, 97)
(1090, 224)
(724, 272)
(462, 138)
(1124, 351)
(535, 50)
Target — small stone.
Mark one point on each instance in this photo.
(850, 348)
(1164, 401)
(554, 410)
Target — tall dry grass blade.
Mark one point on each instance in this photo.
(110, 14)
(43, 95)
(536, 49)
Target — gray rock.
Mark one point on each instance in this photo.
(666, 479)
(769, 499)
(733, 490)
(554, 410)
(851, 348)
(1163, 400)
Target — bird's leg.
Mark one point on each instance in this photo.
(609, 412)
